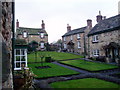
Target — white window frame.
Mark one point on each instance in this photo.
(42, 35)
(79, 44)
(24, 34)
(96, 52)
(65, 45)
(78, 36)
(20, 55)
(42, 45)
(71, 37)
(64, 38)
(95, 38)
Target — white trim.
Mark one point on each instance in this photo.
(78, 36)
(20, 56)
(95, 38)
(96, 52)
(79, 44)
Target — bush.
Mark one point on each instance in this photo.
(101, 58)
(48, 59)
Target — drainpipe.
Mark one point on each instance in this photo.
(13, 37)
(84, 46)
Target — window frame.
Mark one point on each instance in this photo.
(96, 52)
(79, 44)
(95, 38)
(78, 36)
(25, 34)
(20, 57)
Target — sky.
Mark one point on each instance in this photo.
(58, 13)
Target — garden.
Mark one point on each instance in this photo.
(87, 65)
(84, 83)
(36, 56)
(44, 70)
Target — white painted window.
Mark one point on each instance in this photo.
(96, 52)
(64, 38)
(65, 46)
(42, 35)
(20, 58)
(78, 36)
(42, 45)
(71, 37)
(24, 34)
(79, 44)
(95, 38)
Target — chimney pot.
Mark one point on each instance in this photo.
(17, 24)
(68, 28)
(99, 17)
(43, 25)
(89, 23)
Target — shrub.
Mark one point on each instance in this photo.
(101, 58)
(48, 59)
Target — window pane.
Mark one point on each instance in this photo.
(23, 64)
(17, 58)
(18, 65)
(25, 34)
(22, 58)
(17, 52)
(42, 45)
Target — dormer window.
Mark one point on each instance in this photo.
(24, 34)
(95, 38)
(42, 35)
(78, 36)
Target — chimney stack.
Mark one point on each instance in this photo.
(99, 17)
(89, 23)
(17, 24)
(68, 28)
(43, 25)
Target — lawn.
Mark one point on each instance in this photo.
(84, 83)
(53, 55)
(55, 70)
(90, 66)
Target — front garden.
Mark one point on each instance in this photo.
(46, 70)
(53, 70)
(87, 65)
(36, 57)
(84, 83)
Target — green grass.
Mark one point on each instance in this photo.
(54, 55)
(55, 70)
(84, 83)
(91, 66)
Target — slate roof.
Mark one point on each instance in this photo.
(31, 31)
(75, 31)
(106, 25)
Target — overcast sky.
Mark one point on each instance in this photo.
(58, 13)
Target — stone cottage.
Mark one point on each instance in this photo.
(6, 30)
(31, 35)
(104, 38)
(76, 40)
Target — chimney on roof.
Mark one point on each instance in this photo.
(99, 17)
(68, 28)
(43, 25)
(89, 23)
(17, 24)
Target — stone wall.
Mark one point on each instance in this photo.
(104, 39)
(6, 43)
(34, 38)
